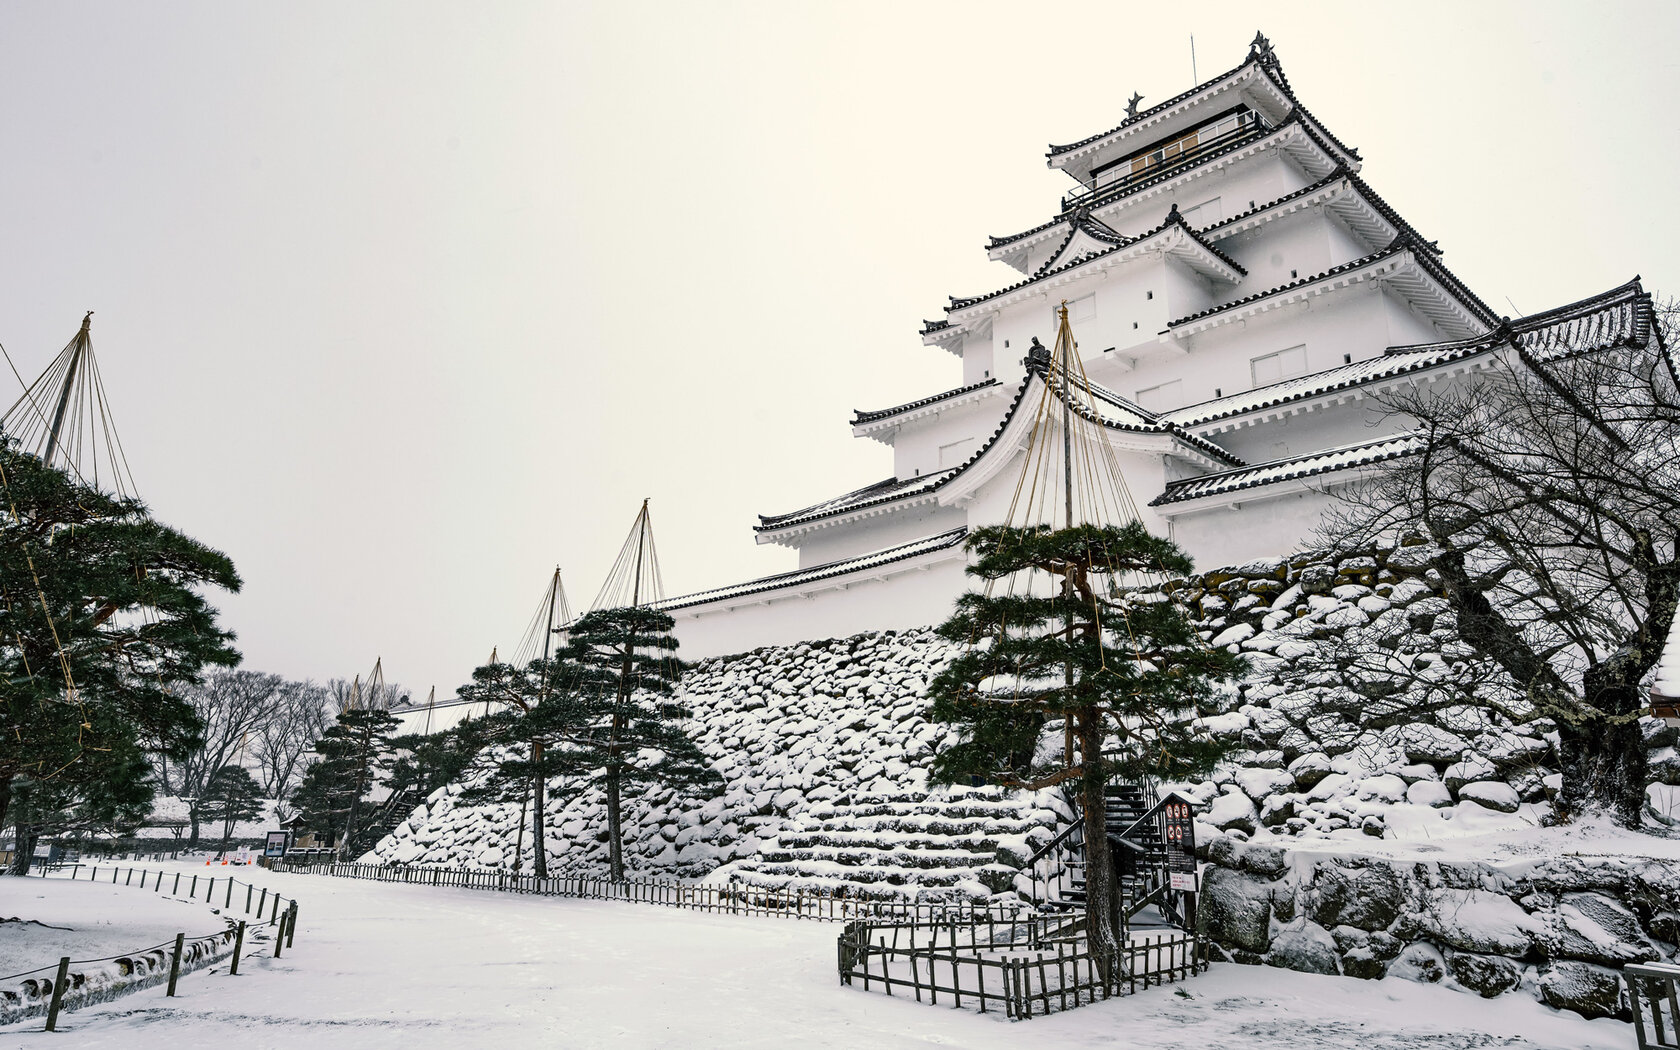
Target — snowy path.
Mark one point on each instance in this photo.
(390, 966)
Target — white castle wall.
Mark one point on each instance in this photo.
(904, 595)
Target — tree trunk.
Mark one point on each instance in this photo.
(5, 798)
(539, 844)
(1102, 884)
(1603, 769)
(192, 815)
(23, 842)
(615, 845)
(27, 836)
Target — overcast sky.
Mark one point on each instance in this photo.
(403, 304)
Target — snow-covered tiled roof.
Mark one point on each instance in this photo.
(799, 577)
(1424, 258)
(1318, 463)
(1341, 377)
(880, 492)
(1173, 219)
(860, 417)
(1106, 408)
(1621, 316)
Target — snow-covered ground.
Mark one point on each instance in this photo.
(89, 920)
(379, 965)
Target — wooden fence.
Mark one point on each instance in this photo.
(71, 984)
(1009, 966)
(729, 898)
(1656, 983)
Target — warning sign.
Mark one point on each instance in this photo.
(1179, 829)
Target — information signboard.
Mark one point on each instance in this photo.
(276, 844)
(1180, 830)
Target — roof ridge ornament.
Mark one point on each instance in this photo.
(1038, 356)
(1260, 47)
(1132, 107)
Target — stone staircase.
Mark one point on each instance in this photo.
(960, 844)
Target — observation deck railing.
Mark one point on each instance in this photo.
(1254, 128)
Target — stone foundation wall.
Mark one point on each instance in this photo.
(1557, 928)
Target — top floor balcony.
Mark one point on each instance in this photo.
(1116, 177)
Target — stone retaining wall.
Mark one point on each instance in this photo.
(1557, 928)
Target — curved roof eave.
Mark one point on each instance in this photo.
(893, 490)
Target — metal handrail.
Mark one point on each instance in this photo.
(1044, 850)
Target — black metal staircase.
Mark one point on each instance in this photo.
(1137, 829)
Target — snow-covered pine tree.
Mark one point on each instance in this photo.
(1121, 669)
(333, 798)
(615, 695)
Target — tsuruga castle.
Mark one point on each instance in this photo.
(1239, 293)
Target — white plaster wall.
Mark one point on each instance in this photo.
(1353, 321)
(1301, 433)
(917, 444)
(1240, 532)
(916, 598)
(1404, 325)
(838, 542)
(976, 358)
(1133, 303)
(1260, 179)
(1279, 252)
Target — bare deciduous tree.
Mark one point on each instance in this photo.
(286, 740)
(234, 705)
(1547, 498)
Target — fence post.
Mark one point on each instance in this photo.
(238, 943)
(227, 902)
(175, 963)
(279, 938)
(262, 902)
(291, 924)
(58, 991)
(250, 888)
(274, 911)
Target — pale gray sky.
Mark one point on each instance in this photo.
(401, 304)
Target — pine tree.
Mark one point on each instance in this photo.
(333, 798)
(95, 592)
(230, 796)
(616, 716)
(1120, 667)
(524, 737)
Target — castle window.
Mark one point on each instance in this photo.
(1165, 396)
(1285, 364)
